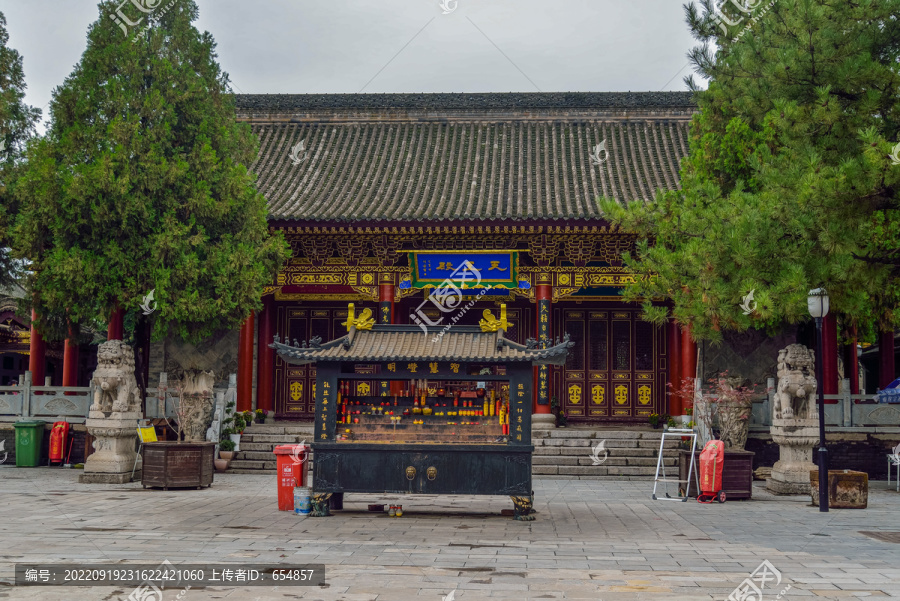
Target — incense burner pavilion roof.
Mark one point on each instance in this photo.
(409, 343)
(464, 157)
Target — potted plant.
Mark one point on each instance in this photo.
(226, 450)
(654, 420)
(261, 415)
(232, 426)
(248, 417)
(670, 423)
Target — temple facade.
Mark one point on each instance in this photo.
(384, 197)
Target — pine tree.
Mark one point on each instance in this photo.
(141, 185)
(17, 126)
(789, 184)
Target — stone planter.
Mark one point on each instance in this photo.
(178, 464)
(226, 455)
(737, 472)
(221, 464)
(846, 489)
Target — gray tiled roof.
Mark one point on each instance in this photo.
(462, 101)
(391, 158)
(410, 343)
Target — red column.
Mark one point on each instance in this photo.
(245, 366)
(543, 295)
(674, 352)
(70, 362)
(851, 363)
(688, 361)
(36, 354)
(116, 328)
(265, 366)
(829, 356)
(886, 369)
(386, 298)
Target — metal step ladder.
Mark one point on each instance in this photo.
(660, 467)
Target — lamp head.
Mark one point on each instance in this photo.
(817, 303)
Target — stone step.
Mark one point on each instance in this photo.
(632, 461)
(232, 470)
(593, 470)
(276, 438)
(252, 465)
(279, 429)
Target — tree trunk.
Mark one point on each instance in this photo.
(142, 355)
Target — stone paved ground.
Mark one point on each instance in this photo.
(591, 540)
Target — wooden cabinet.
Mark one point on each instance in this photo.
(177, 464)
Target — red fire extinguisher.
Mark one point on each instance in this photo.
(712, 459)
(58, 436)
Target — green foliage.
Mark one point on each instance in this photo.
(17, 123)
(789, 185)
(141, 184)
(226, 445)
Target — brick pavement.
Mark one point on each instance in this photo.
(592, 540)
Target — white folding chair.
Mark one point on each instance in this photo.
(894, 462)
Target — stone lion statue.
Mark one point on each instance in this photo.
(115, 388)
(795, 395)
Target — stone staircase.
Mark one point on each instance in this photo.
(558, 452)
(630, 454)
(258, 441)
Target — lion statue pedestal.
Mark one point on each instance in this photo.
(795, 424)
(113, 417)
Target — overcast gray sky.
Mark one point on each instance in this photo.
(305, 46)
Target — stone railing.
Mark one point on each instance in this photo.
(850, 411)
(27, 401)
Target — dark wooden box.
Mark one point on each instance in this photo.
(423, 469)
(737, 473)
(177, 464)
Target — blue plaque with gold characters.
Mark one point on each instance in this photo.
(464, 269)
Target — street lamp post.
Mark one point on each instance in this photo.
(817, 302)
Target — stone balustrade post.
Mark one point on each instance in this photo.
(25, 385)
(847, 402)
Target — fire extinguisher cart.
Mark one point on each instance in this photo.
(403, 410)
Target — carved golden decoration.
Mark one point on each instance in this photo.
(559, 293)
(579, 250)
(598, 394)
(431, 472)
(363, 389)
(296, 391)
(543, 249)
(575, 394)
(371, 292)
(622, 394)
(363, 322)
(410, 473)
(491, 323)
(645, 394)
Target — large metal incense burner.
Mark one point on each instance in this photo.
(402, 410)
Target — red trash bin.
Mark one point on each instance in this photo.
(291, 472)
